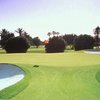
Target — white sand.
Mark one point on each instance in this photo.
(92, 52)
(9, 75)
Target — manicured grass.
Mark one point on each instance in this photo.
(60, 76)
(36, 50)
(15, 89)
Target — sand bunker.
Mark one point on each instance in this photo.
(92, 51)
(9, 75)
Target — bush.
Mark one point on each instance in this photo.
(55, 45)
(16, 45)
(36, 41)
(69, 38)
(83, 42)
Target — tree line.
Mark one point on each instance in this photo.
(55, 43)
(73, 41)
(6, 35)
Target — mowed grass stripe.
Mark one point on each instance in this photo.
(58, 60)
(57, 83)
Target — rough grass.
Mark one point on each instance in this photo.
(63, 76)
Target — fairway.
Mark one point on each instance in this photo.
(60, 76)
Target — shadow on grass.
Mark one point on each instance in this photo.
(30, 50)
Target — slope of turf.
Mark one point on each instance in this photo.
(15, 89)
(62, 76)
(63, 83)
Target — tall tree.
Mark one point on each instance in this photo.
(69, 38)
(49, 34)
(20, 31)
(57, 33)
(3, 32)
(54, 33)
(5, 35)
(97, 32)
(28, 38)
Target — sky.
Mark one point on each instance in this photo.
(38, 17)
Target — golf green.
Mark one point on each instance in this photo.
(59, 76)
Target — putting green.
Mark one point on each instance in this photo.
(62, 76)
(62, 83)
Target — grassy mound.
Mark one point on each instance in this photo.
(98, 76)
(15, 89)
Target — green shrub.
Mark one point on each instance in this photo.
(55, 45)
(16, 45)
(83, 42)
(36, 41)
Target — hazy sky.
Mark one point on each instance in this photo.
(38, 17)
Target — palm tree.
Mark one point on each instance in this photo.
(5, 35)
(20, 31)
(28, 38)
(49, 34)
(25, 34)
(97, 32)
(57, 33)
(4, 31)
(53, 33)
